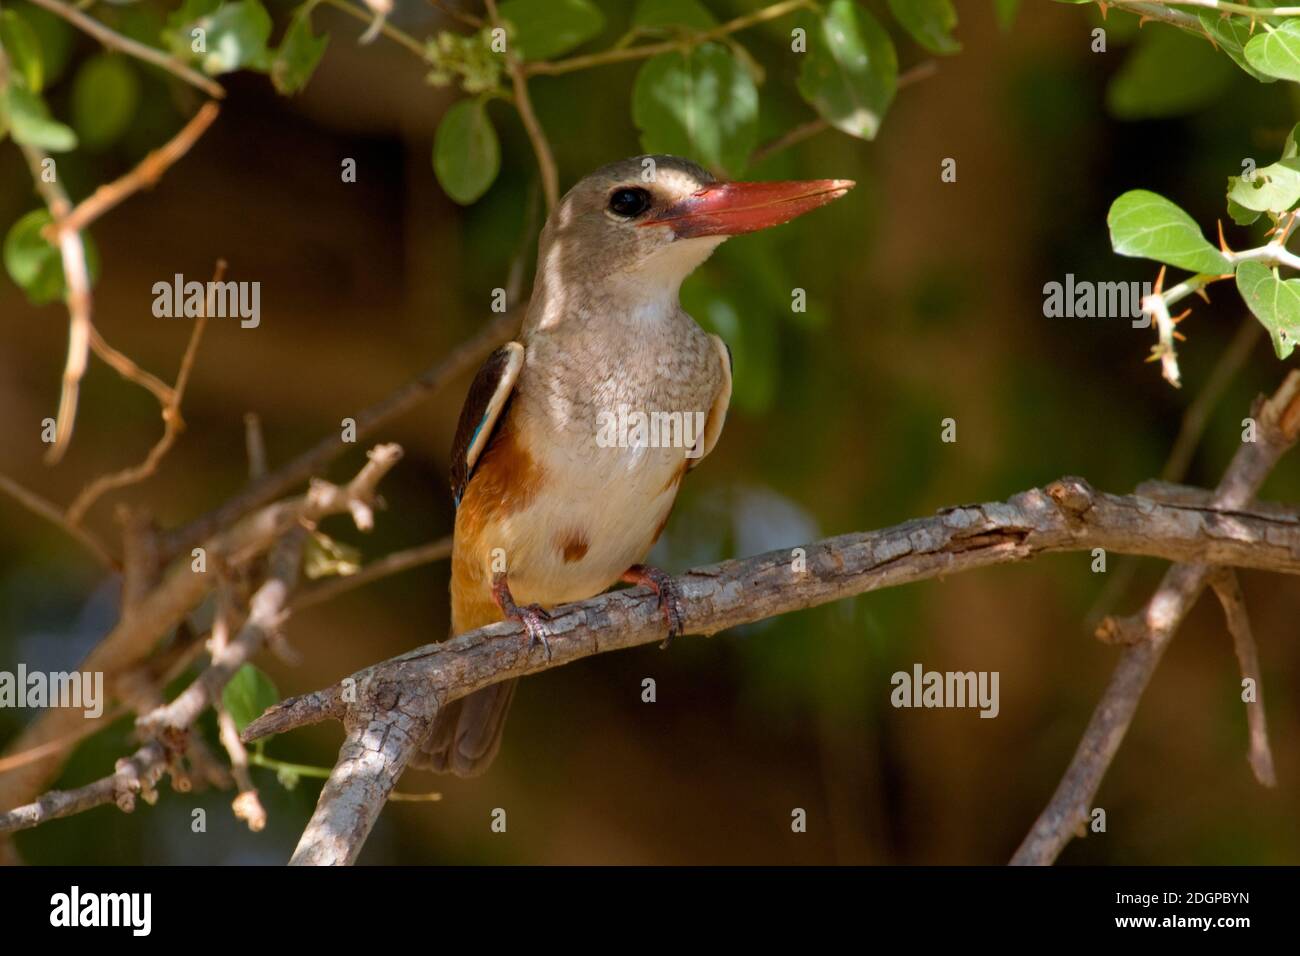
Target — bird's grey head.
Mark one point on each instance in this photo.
(633, 230)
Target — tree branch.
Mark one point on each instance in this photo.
(1149, 633)
(167, 727)
(389, 707)
(180, 590)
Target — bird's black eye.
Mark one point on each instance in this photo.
(630, 202)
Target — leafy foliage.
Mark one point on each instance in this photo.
(930, 22)
(851, 70)
(1275, 302)
(298, 56)
(35, 264)
(1147, 225)
(702, 104)
(249, 693)
(466, 151)
(545, 29)
(702, 98)
(105, 94)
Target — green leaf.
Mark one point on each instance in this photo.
(30, 122)
(55, 37)
(248, 695)
(1274, 188)
(1231, 35)
(234, 35)
(1149, 226)
(105, 95)
(1241, 215)
(23, 48)
(323, 557)
(703, 105)
(1168, 73)
(1006, 11)
(181, 21)
(660, 14)
(298, 56)
(1275, 303)
(1290, 150)
(930, 22)
(466, 153)
(35, 264)
(1277, 52)
(850, 72)
(547, 28)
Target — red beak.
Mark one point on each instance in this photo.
(729, 209)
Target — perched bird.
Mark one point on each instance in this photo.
(553, 504)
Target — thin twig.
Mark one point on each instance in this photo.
(1228, 589)
(140, 51)
(623, 54)
(1150, 10)
(468, 19)
(116, 40)
(173, 424)
(393, 563)
(182, 588)
(524, 104)
(387, 29)
(50, 512)
(129, 370)
(145, 175)
(254, 446)
(76, 277)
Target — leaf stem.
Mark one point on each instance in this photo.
(622, 54)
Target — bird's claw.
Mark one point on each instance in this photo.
(532, 616)
(670, 596)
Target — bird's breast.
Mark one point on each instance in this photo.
(581, 478)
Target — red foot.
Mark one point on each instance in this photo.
(532, 616)
(670, 595)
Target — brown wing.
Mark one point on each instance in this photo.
(488, 396)
(718, 411)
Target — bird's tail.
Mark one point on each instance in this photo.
(466, 735)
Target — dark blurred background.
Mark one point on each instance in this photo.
(925, 302)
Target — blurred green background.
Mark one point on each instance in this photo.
(925, 302)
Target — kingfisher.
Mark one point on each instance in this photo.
(550, 509)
